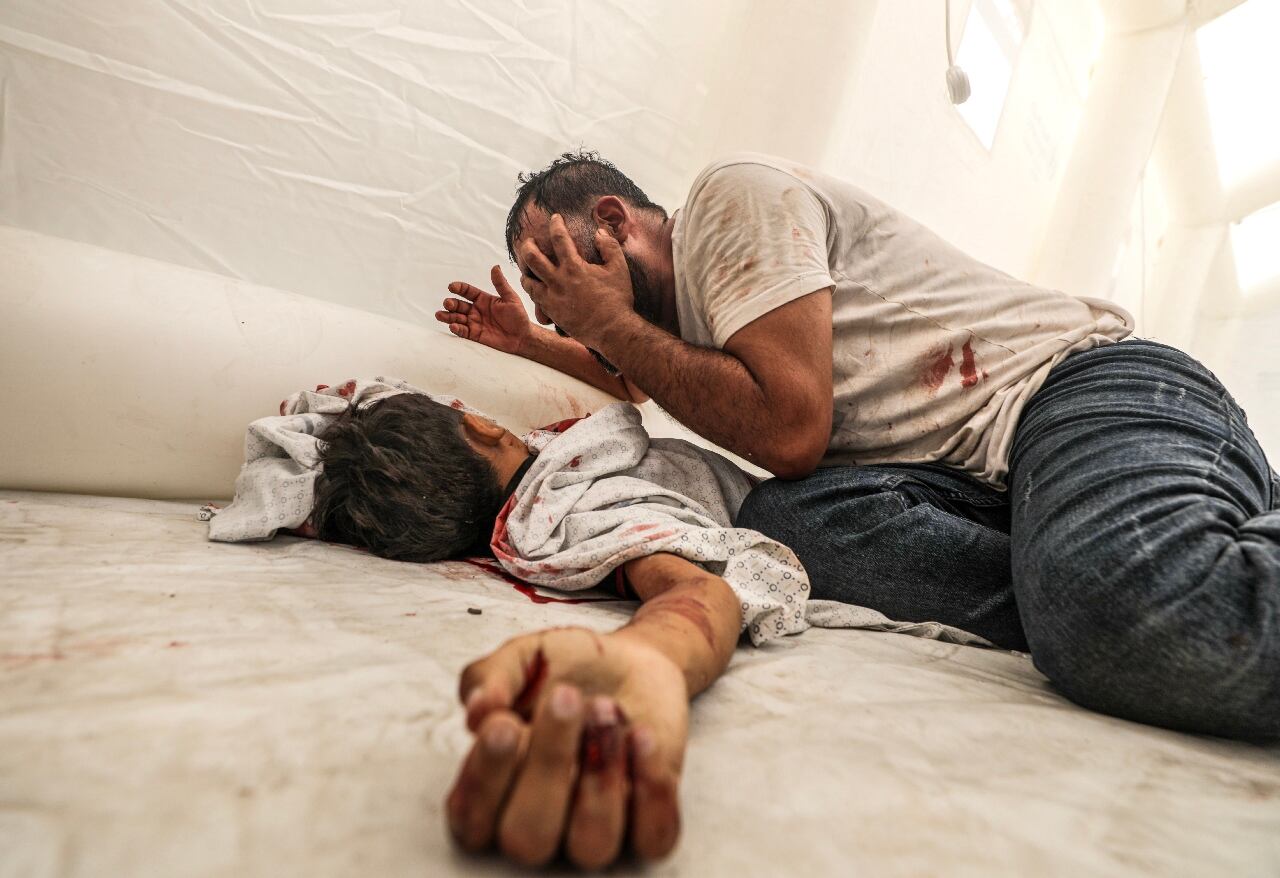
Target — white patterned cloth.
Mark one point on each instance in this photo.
(276, 486)
(602, 493)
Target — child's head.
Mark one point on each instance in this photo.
(411, 479)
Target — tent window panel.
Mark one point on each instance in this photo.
(993, 35)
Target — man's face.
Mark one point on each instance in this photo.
(644, 285)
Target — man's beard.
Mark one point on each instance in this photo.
(646, 301)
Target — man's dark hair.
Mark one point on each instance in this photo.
(569, 186)
(399, 479)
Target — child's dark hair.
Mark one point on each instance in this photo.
(399, 479)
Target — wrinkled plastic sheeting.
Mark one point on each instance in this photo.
(361, 151)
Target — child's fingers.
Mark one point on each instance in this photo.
(532, 822)
(655, 809)
(599, 819)
(506, 678)
(476, 799)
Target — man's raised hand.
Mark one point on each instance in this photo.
(499, 322)
(586, 300)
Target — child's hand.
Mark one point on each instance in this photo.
(580, 741)
(499, 321)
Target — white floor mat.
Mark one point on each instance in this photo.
(170, 706)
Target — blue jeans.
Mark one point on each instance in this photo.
(1136, 554)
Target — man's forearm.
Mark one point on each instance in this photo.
(570, 357)
(709, 391)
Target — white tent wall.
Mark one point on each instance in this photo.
(364, 153)
(901, 137)
(1177, 268)
(355, 151)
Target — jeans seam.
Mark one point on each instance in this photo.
(974, 501)
(969, 521)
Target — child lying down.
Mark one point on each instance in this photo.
(579, 736)
(384, 466)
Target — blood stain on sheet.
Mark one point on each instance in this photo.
(573, 464)
(176, 643)
(968, 368)
(347, 389)
(525, 588)
(320, 387)
(83, 649)
(283, 403)
(934, 368)
(410, 614)
(456, 404)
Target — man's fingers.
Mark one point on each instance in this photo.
(562, 243)
(457, 324)
(535, 289)
(466, 290)
(477, 795)
(535, 261)
(452, 316)
(457, 305)
(610, 249)
(655, 808)
(532, 822)
(500, 284)
(599, 818)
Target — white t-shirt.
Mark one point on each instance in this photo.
(934, 353)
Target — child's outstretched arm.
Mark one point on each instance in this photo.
(580, 736)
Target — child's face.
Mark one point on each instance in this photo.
(499, 446)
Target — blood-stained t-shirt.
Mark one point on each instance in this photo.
(935, 354)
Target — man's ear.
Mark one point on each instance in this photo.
(481, 431)
(611, 214)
